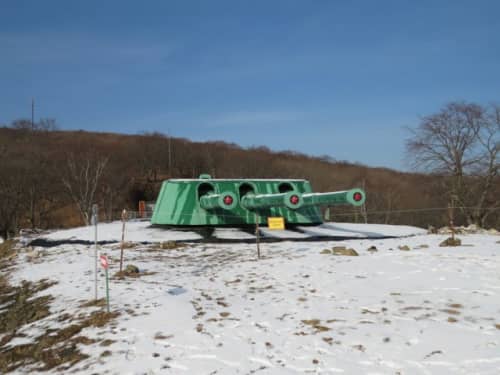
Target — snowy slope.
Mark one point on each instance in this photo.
(137, 231)
(429, 310)
(142, 231)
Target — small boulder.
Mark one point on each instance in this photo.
(131, 269)
(404, 248)
(342, 250)
(372, 249)
(451, 242)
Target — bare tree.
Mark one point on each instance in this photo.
(461, 143)
(81, 181)
(12, 186)
(45, 124)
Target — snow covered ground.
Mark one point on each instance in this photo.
(216, 309)
(142, 231)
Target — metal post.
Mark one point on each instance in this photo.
(32, 114)
(95, 211)
(451, 217)
(257, 235)
(107, 289)
(170, 155)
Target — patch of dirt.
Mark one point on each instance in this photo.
(222, 303)
(94, 302)
(359, 347)
(127, 245)
(315, 323)
(433, 353)
(54, 348)
(410, 308)
(451, 311)
(161, 336)
(106, 353)
(328, 340)
(131, 271)
(107, 342)
(20, 306)
(167, 245)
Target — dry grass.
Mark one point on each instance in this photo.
(20, 305)
(94, 303)
(7, 253)
(55, 347)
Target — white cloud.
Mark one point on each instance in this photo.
(51, 48)
(253, 118)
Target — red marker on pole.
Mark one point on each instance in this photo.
(104, 262)
(105, 265)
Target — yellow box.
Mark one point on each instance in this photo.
(276, 223)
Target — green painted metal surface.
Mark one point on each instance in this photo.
(240, 202)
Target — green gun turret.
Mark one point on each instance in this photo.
(240, 202)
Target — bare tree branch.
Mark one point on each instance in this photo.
(462, 142)
(82, 179)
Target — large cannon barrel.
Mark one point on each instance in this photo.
(354, 197)
(255, 201)
(295, 200)
(226, 200)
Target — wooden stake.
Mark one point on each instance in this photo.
(124, 219)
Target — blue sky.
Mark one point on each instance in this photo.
(338, 78)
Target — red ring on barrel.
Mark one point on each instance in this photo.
(294, 199)
(357, 197)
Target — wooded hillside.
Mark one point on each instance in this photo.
(47, 177)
